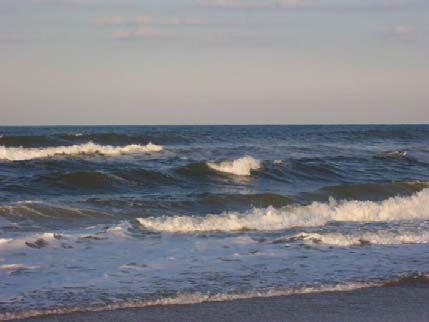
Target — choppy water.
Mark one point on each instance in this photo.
(99, 217)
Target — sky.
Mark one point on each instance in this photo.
(213, 61)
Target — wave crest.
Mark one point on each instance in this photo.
(21, 153)
(239, 167)
(315, 214)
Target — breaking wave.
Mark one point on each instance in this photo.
(239, 167)
(315, 214)
(21, 153)
(369, 238)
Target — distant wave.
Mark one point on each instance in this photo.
(392, 155)
(164, 137)
(26, 140)
(315, 214)
(20, 153)
(369, 238)
(239, 167)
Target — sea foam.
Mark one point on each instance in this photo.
(315, 214)
(374, 238)
(21, 153)
(239, 167)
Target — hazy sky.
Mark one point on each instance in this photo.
(214, 61)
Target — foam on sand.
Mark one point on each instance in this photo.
(315, 214)
(191, 298)
(239, 167)
(21, 153)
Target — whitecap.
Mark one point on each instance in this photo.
(373, 238)
(21, 153)
(239, 167)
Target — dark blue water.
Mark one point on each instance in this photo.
(91, 216)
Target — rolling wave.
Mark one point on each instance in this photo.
(368, 191)
(240, 167)
(315, 214)
(42, 211)
(82, 179)
(20, 153)
(268, 199)
(313, 169)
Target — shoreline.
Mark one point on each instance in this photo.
(405, 302)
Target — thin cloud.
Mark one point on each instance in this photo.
(391, 4)
(145, 26)
(293, 4)
(72, 2)
(182, 22)
(112, 21)
(136, 33)
(149, 20)
(236, 4)
(10, 37)
(403, 31)
(375, 5)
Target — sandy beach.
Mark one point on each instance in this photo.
(391, 304)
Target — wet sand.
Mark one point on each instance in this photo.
(401, 303)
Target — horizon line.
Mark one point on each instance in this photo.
(214, 124)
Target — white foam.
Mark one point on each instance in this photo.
(21, 153)
(15, 267)
(315, 214)
(11, 244)
(396, 154)
(376, 238)
(239, 167)
(192, 298)
(58, 240)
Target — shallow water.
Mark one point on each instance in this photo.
(96, 216)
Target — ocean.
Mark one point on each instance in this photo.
(101, 217)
